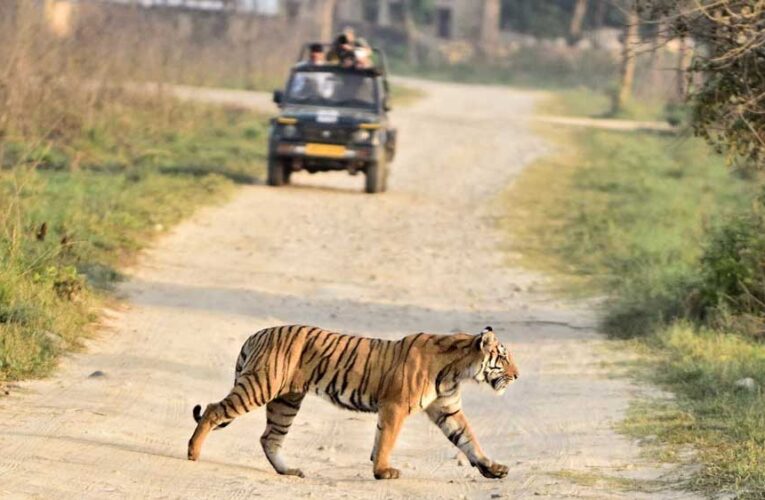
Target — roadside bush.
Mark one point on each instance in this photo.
(731, 292)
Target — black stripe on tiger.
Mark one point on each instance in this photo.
(197, 412)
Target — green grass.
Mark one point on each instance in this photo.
(603, 482)
(634, 217)
(615, 210)
(586, 102)
(402, 95)
(102, 194)
(725, 424)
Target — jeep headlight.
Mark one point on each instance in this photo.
(289, 131)
(362, 135)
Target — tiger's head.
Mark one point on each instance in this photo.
(497, 368)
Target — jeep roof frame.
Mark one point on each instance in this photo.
(380, 69)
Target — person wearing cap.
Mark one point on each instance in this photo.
(316, 56)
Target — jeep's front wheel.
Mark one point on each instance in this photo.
(287, 171)
(377, 176)
(276, 174)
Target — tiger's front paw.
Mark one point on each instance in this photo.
(389, 473)
(493, 470)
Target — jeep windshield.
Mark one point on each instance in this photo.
(332, 89)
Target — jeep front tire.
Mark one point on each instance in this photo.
(276, 175)
(377, 176)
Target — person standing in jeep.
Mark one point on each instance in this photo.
(349, 50)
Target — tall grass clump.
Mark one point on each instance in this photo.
(89, 172)
(731, 289)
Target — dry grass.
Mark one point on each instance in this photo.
(90, 172)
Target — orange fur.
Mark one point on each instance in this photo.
(278, 366)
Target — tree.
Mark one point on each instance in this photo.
(490, 27)
(326, 18)
(728, 105)
(411, 33)
(577, 19)
(627, 73)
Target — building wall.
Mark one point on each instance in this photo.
(350, 10)
(465, 17)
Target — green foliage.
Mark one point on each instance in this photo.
(627, 214)
(731, 291)
(676, 241)
(67, 226)
(577, 101)
(401, 95)
(94, 221)
(583, 101)
(728, 106)
(677, 114)
(723, 422)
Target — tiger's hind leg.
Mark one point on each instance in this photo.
(279, 416)
(244, 397)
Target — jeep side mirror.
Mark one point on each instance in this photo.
(386, 104)
(278, 97)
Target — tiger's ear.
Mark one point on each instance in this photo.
(487, 340)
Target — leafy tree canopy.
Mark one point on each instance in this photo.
(728, 103)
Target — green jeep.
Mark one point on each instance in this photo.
(332, 118)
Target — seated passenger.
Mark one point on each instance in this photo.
(315, 56)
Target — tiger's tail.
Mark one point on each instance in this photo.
(197, 412)
(240, 360)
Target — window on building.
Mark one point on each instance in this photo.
(444, 23)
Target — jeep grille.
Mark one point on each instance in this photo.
(334, 135)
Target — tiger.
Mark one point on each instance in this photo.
(278, 366)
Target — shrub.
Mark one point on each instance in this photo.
(731, 291)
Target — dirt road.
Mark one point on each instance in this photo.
(425, 256)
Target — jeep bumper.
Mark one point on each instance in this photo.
(325, 151)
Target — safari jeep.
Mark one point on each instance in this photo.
(332, 118)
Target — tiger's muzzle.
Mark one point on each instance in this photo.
(500, 384)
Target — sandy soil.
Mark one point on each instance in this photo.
(424, 257)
